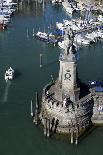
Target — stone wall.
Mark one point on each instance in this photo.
(97, 117)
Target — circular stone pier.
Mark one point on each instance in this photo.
(62, 109)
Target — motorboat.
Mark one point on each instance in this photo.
(92, 36)
(64, 43)
(95, 83)
(98, 85)
(56, 1)
(100, 34)
(100, 18)
(42, 35)
(68, 7)
(50, 38)
(4, 18)
(69, 10)
(82, 40)
(59, 25)
(9, 74)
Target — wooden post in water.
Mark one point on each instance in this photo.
(52, 78)
(27, 33)
(32, 108)
(48, 127)
(76, 140)
(43, 5)
(41, 63)
(71, 135)
(45, 126)
(28, 2)
(37, 101)
(71, 131)
(36, 110)
(33, 32)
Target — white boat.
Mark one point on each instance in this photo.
(59, 25)
(42, 35)
(92, 36)
(68, 7)
(69, 10)
(82, 40)
(9, 74)
(56, 1)
(65, 43)
(100, 18)
(100, 34)
(50, 38)
(4, 18)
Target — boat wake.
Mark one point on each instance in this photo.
(5, 98)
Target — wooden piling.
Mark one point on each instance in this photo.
(52, 78)
(45, 126)
(36, 118)
(76, 139)
(43, 5)
(32, 108)
(48, 127)
(71, 136)
(37, 101)
(41, 63)
(33, 32)
(27, 33)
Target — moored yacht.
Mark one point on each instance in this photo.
(50, 38)
(63, 43)
(9, 74)
(82, 40)
(41, 35)
(56, 1)
(100, 18)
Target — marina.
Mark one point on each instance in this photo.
(7, 9)
(20, 49)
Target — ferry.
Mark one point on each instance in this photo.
(9, 74)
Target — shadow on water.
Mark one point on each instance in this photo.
(84, 89)
(17, 74)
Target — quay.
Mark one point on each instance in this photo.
(7, 10)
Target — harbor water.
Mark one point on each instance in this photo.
(21, 50)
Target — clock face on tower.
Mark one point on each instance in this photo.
(67, 75)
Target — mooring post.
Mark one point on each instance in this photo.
(41, 63)
(27, 33)
(45, 126)
(71, 136)
(37, 101)
(33, 32)
(32, 108)
(52, 78)
(43, 5)
(76, 138)
(48, 127)
(36, 110)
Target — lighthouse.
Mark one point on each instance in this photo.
(68, 76)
